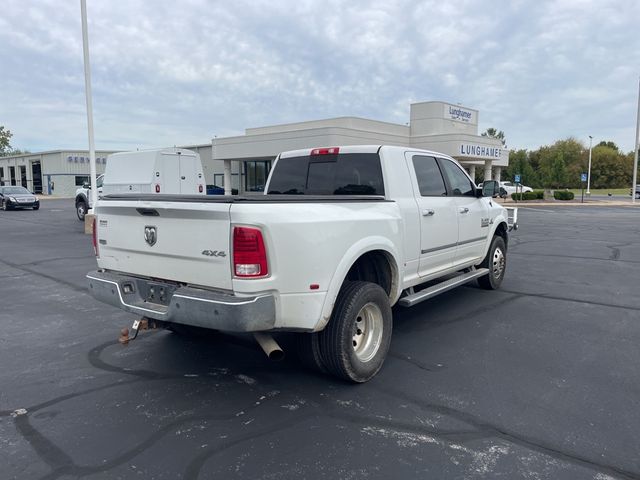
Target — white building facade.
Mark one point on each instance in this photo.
(439, 126)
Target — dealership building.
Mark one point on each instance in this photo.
(247, 159)
(57, 172)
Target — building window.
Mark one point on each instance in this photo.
(218, 179)
(256, 173)
(81, 180)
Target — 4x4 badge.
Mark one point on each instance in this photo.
(150, 235)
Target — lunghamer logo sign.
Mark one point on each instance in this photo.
(460, 114)
(481, 151)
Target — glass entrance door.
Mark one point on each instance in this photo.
(36, 175)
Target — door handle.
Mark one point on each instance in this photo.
(428, 212)
(464, 210)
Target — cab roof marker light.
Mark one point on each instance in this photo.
(325, 151)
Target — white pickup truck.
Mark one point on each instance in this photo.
(340, 236)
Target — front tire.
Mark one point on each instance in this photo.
(81, 209)
(355, 343)
(496, 262)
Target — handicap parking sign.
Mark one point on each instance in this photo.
(517, 178)
(583, 177)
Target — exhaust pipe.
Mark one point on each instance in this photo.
(270, 346)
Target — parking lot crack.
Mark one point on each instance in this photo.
(25, 269)
(486, 429)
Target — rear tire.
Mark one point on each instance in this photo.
(356, 340)
(496, 262)
(81, 209)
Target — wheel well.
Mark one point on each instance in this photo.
(502, 231)
(376, 267)
(81, 198)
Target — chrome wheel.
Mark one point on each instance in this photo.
(367, 332)
(497, 263)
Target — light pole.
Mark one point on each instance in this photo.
(589, 171)
(636, 145)
(87, 90)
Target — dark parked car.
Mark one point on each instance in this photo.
(17, 197)
(216, 190)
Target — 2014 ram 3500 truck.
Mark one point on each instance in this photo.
(340, 235)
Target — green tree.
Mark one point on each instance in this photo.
(559, 177)
(520, 164)
(5, 141)
(610, 168)
(493, 133)
(558, 165)
(608, 144)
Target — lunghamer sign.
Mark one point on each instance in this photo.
(480, 151)
(459, 114)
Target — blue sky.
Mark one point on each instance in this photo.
(180, 72)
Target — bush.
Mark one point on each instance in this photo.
(535, 195)
(563, 195)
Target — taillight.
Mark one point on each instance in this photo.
(95, 237)
(157, 188)
(325, 151)
(249, 253)
(199, 188)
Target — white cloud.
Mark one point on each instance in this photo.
(169, 73)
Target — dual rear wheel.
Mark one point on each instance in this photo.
(354, 344)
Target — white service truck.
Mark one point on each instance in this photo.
(169, 170)
(340, 236)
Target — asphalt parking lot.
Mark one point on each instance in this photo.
(538, 380)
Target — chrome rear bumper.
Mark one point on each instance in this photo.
(186, 305)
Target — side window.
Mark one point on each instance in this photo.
(429, 177)
(99, 181)
(458, 180)
(81, 180)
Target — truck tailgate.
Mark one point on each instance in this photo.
(180, 241)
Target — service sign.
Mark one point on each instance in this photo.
(459, 114)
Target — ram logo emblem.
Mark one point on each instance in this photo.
(150, 235)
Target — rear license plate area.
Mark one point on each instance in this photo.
(158, 293)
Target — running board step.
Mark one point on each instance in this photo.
(437, 289)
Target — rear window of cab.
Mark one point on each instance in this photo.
(336, 174)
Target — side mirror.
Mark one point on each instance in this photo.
(490, 188)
